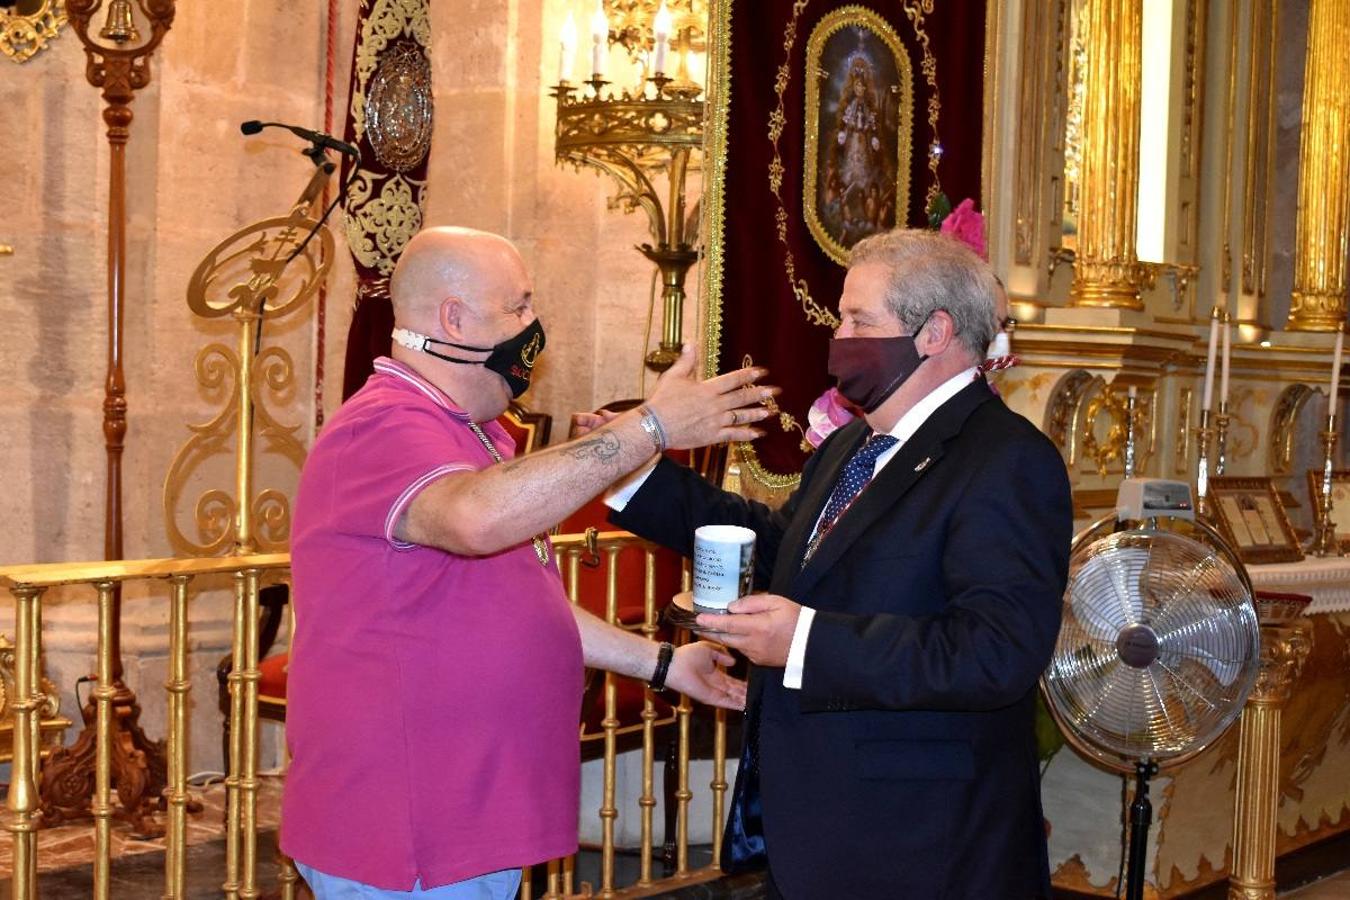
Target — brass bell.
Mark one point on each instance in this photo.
(121, 26)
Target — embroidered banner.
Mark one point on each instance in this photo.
(830, 121)
(390, 119)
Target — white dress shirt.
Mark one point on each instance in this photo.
(904, 429)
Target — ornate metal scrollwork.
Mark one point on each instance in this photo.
(26, 28)
(1286, 412)
(1086, 418)
(215, 512)
(248, 277)
(1060, 411)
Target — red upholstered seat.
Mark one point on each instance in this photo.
(272, 683)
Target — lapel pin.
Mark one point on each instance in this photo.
(923, 464)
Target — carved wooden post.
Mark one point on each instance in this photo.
(118, 63)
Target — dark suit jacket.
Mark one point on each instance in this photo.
(906, 765)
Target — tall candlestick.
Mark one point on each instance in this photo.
(661, 27)
(1223, 369)
(1207, 399)
(599, 40)
(567, 49)
(1336, 370)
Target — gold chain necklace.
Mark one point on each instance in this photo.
(540, 544)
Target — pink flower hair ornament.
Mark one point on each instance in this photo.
(966, 224)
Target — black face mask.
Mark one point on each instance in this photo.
(513, 358)
(869, 370)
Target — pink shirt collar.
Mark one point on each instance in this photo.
(395, 369)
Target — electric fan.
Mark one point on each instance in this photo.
(1159, 644)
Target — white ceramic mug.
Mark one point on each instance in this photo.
(723, 565)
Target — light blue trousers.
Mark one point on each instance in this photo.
(501, 885)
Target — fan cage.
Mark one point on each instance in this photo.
(1180, 611)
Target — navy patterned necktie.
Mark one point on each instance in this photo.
(857, 473)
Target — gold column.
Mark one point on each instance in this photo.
(22, 799)
(719, 783)
(1106, 271)
(1283, 651)
(175, 857)
(647, 802)
(610, 724)
(683, 795)
(1323, 242)
(248, 751)
(230, 887)
(103, 738)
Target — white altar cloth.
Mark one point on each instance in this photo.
(1326, 580)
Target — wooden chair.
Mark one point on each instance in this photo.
(530, 430)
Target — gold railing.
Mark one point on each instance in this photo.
(575, 551)
(27, 584)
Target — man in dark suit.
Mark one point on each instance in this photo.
(915, 580)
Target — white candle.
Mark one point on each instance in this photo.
(567, 49)
(1336, 370)
(661, 27)
(1133, 392)
(1208, 397)
(1223, 370)
(599, 40)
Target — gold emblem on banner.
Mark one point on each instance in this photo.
(399, 107)
(391, 106)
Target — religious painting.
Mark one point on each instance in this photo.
(1251, 518)
(1340, 503)
(859, 113)
(827, 120)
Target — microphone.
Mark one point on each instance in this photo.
(317, 138)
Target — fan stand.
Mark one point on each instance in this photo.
(1141, 818)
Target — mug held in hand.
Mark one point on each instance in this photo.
(723, 565)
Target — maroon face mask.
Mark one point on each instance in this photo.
(871, 369)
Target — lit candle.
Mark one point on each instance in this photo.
(1336, 370)
(661, 27)
(1223, 370)
(1208, 397)
(599, 40)
(567, 50)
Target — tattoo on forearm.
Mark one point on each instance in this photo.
(603, 447)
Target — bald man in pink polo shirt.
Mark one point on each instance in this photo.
(436, 674)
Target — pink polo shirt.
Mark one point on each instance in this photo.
(432, 699)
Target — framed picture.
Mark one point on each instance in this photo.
(1340, 502)
(1249, 514)
(859, 124)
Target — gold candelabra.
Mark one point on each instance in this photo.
(635, 133)
(1222, 421)
(1203, 435)
(1324, 533)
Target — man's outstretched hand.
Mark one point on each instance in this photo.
(701, 413)
(694, 671)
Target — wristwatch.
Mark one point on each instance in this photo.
(663, 658)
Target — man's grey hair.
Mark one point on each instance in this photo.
(928, 271)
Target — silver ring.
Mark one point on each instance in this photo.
(735, 417)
